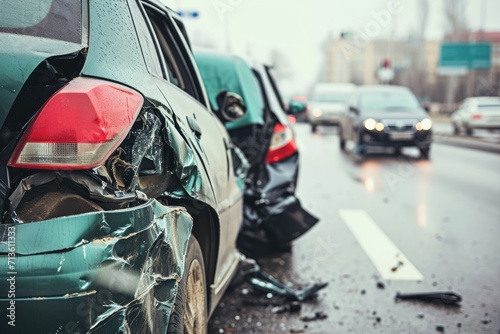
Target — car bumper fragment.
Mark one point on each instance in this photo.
(273, 207)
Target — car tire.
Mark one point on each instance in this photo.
(456, 130)
(341, 139)
(425, 153)
(314, 128)
(192, 295)
(469, 131)
(342, 144)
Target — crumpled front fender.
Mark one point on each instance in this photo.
(97, 272)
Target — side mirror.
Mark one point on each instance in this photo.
(354, 110)
(296, 107)
(231, 106)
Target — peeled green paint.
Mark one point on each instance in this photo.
(93, 272)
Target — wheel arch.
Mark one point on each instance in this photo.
(206, 230)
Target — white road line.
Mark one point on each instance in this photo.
(384, 254)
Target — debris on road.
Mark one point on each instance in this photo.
(440, 329)
(319, 315)
(448, 298)
(292, 308)
(397, 266)
(380, 285)
(297, 330)
(263, 282)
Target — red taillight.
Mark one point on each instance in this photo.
(79, 126)
(477, 116)
(282, 144)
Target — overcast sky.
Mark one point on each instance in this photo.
(298, 27)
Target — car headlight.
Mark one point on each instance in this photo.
(317, 112)
(371, 124)
(425, 124)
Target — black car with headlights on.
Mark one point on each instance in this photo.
(387, 116)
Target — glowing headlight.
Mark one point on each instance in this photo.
(370, 124)
(317, 112)
(425, 124)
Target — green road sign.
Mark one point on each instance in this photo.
(465, 55)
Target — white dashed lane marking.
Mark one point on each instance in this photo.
(390, 262)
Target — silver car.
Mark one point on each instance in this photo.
(328, 103)
(477, 113)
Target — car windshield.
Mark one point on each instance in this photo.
(61, 20)
(396, 101)
(331, 97)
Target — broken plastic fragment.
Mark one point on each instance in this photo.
(268, 284)
(448, 298)
(317, 316)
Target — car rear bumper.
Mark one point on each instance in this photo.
(95, 272)
(325, 119)
(271, 205)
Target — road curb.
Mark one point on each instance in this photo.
(475, 144)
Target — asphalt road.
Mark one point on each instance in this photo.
(388, 225)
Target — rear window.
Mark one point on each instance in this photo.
(54, 19)
(333, 97)
(491, 106)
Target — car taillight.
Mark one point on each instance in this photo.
(79, 126)
(282, 144)
(477, 116)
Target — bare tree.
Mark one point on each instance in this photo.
(456, 22)
(281, 65)
(423, 17)
(415, 48)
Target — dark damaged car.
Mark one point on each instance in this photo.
(273, 214)
(120, 202)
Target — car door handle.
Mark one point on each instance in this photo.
(193, 124)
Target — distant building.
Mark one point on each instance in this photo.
(347, 61)
(415, 63)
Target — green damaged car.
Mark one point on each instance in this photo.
(120, 190)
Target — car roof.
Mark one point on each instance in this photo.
(221, 71)
(326, 87)
(382, 89)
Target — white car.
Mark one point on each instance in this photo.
(477, 113)
(328, 103)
